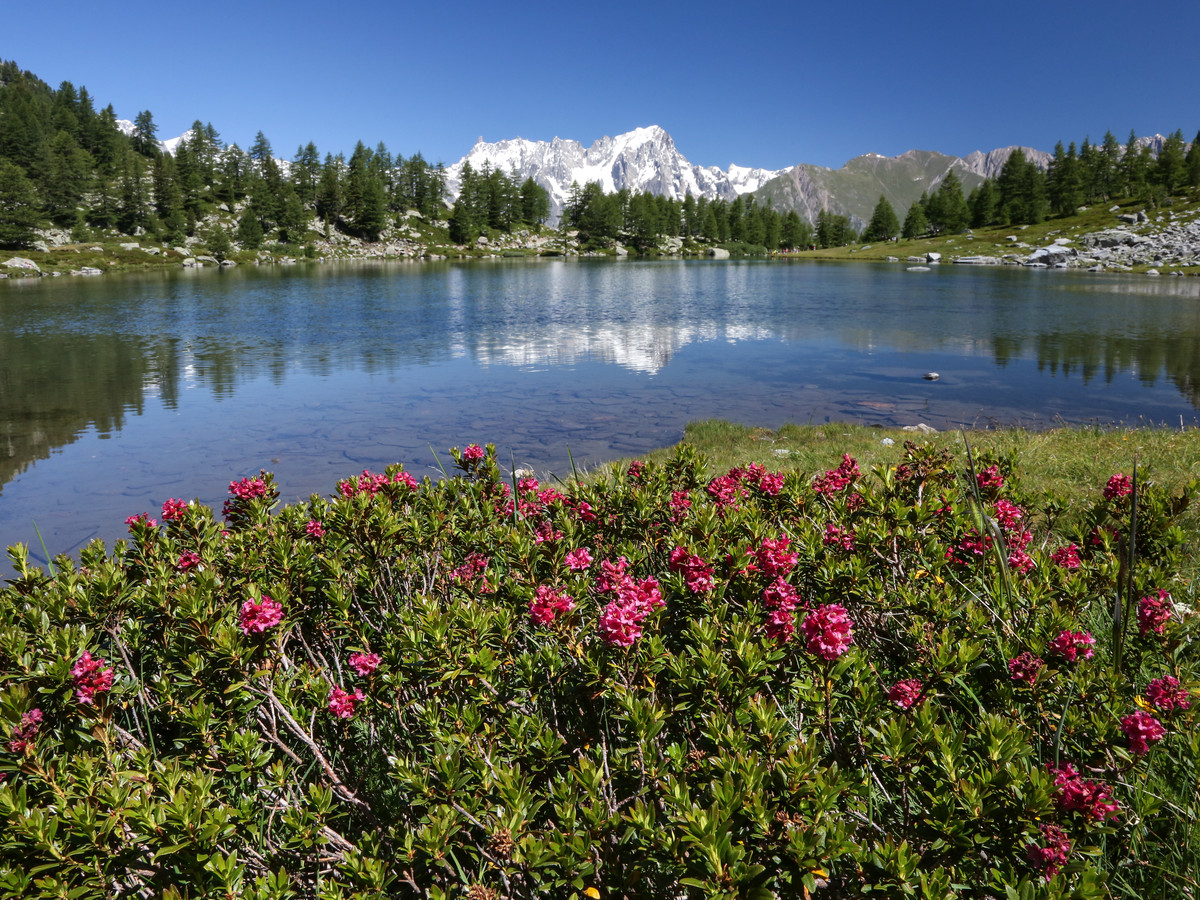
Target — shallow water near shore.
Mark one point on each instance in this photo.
(121, 392)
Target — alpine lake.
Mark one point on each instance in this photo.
(120, 392)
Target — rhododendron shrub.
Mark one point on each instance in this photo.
(660, 681)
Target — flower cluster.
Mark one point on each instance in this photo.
(1074, 793)
(1066, 557)
(248, 489)
(1070, 645)
(781, 600)
(1025, 668)
(368, 484)
(1008, 514)
(774, 557)
(255, 618)
(621, 621)
(838, 479)
(174, 510)
(905, 693)
(364, 663)
(141, 520)
(1166, 695)
(697, 574)
(757, 477)
(578, 560)
(1141, 730)
(970, 549)
(1154, 613)
(837, 538)
(187, 560)
(1118, 486)
(725, 491)
(470, 568)
(828, 630)
(547, 604)
(91, 678)
(314, 529)
(343, 704)
(990, 479)
(472, 454)
(1050, 858)
(31, 723)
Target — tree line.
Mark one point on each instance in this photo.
(63, 162)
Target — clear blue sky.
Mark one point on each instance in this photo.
(757, 84)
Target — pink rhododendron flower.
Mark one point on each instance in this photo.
(828, 630)
(680, 504)
(343, 704)
(528, 485)
(781, 625)
(23, 735)
(774, 557)
(1051, 857)
(990, 479)
(255, 618)
(1141, 730)
(549, 603)
(611, 575)
(1071, 644)
(1066, 557)
(838, 538)
(970, 548)
(578, 560)
(173, 510)
(1020, 561)
(771, 484)
(1074, 793)
(905, 693)
(314, 529)
(1008, 514)
(1025, 667)
(584, 511)
(545, 532)
(697, 574)
(91, 678)
(470, 569)
(1154, 613)
(406, 479)
(473, 453)
(636, 468)
(1118, 486)
(364, 663)
(1166, 695)
(248, 488)
(621, 621)
(781, 595)
(141, 519)
(838, 479)
(187, 560)
(725, 491)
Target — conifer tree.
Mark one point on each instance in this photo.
(18, 206)
(915, 222)
(884, 224)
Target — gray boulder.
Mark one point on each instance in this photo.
(20, 262)
(718, 253)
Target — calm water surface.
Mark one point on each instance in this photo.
(118, 393)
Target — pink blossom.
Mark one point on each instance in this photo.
(1074, 793)
(838, 479)
(364, 663)
(771, 484)
(248, 488)
(990, 479)
(1166, 695)
(314, 529)
(781, 625)
(611, 575)
(1050, 858)
(828, 630)
(187, 560)
(1066, 557)
(725, 491)
(91, 678)
(1154, 613)
(1025, 667)
(578, 560)
(23, 735)
(548, 603)
(774, 558)
(621, 623)
(1118, 486)
(1141, 730)
(545, 532)
(838, 538)
(1020, 561)
(255, 618)
(470, 568)
(1008, 514)
(680, 504)
(905, 693)
(584, 511)
(141, 520)
(528, 485)
(970, 548)
(406, 479)
(342, 704)
(473, 453)
(697, 574)
(1071, 644)
(636, 468)
(781, 595)
(173, 510)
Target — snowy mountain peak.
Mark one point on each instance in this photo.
(644, 159)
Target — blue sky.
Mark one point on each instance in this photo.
(757, 84)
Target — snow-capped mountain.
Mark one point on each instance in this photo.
(644, 159)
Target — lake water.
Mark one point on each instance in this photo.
(117, 393)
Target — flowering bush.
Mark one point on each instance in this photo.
(599, 689)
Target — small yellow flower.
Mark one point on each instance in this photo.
(593, 893)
